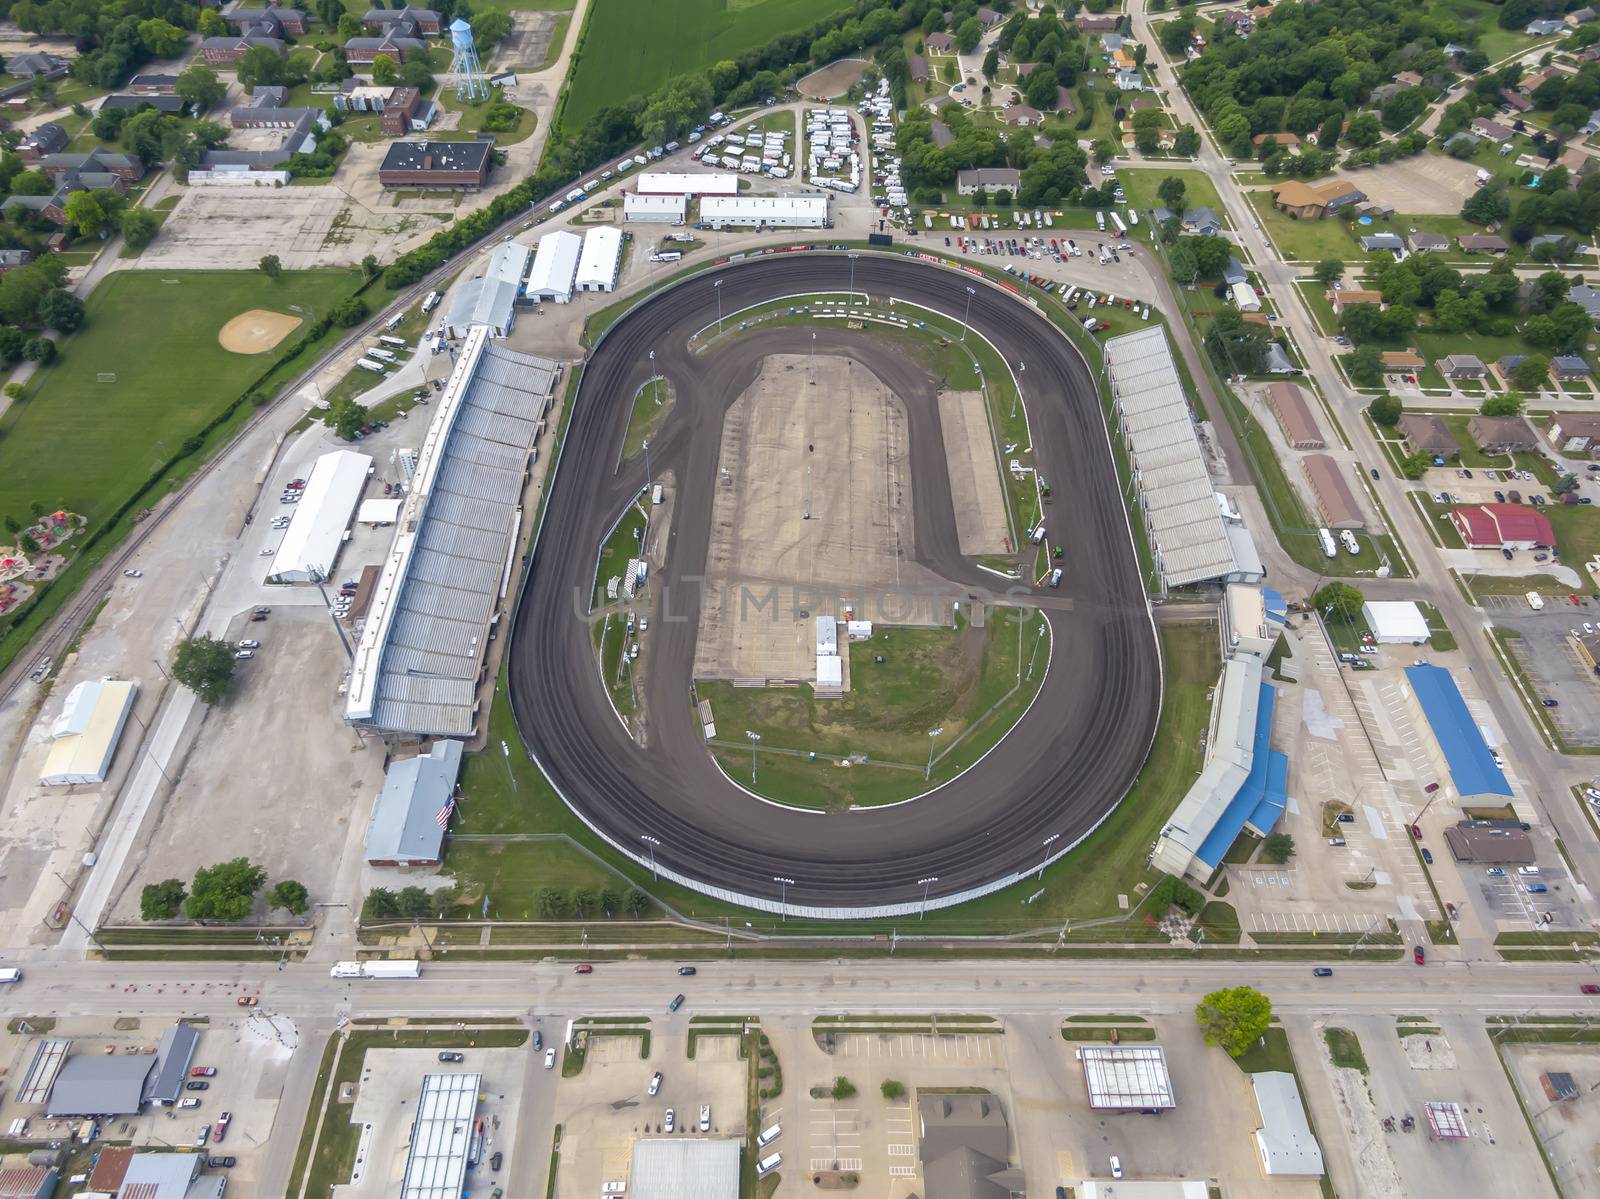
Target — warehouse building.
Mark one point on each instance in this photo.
(445, 577)
(1284, 1140)
(491, 299)
(1176, 496)
(48, 1058)
(1502, 527)
(316, 532)
(1288, 401)
(677, 183)
(654, 210)
(170, 1176)
(101, 1085)
(1460, 748)
(765, 212)
(173, 1056)
(600, 260)
(463, 165)
(1335, 500)
(1127, 1078)
(442, 1134)
(684, 1168)
(84, 738)
(555, 265)
(28, 1182)
(413, 809)
(1395, 622)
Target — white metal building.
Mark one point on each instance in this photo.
(1245, 298)
(491, 299)
(654, 210)
(677, 183)
(317, 530)
(1127, 1078)
(1395, 622)
(379, 511)
(555, 263)
(773, 212)
(84, 737)
(600, 260)
(684, 1168)
(441, 1136)
(1288, 1150)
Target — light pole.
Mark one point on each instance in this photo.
(925, 882)
(1046, 862)
(717, 287)
(647, 475)
(853, 258)
(754, 737)
(1016, 392)
(783, 895)
(651, 842)
(967, 313)
(933, 741)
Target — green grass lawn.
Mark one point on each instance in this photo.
(84, 444)
(930, 678)
(650, 409)
(1344, 1048)
(1315, 295)
(631, 47)
(1141, 182)
(472, 120)
(624, 543)
(1331, 237)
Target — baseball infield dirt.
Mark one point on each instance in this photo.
(257, 331)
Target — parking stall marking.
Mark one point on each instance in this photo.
(902, 1171)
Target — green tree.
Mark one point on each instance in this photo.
(1186, 142)
(892, 1090)
(211, 23)
(163, 900)
(991, 62)
(349, 26)
(205, 666)
(1529, 374)
(1506, 403)
(384, 71)
(1234, 1018)
(346, 418)
(1364, 130)
(551, 904)
(380, 903)
(414, 902)
(259, 65)
(843, 1088)
(1365, 366)
(1278, 848)
(1487, 205)
(85, 213)
(1040, 91)
(1329, 271)
(1171, 191)
(270, 266)
(584, 902)
(369, 266)
(62, 311)
(968, 34)
(1414, 466)
(161, 38)
(1339, 599)
(1385, 410)
(610, 901)
(226, 891)
(201, 88)
(638, 903)
(289, 895)
(139, 227)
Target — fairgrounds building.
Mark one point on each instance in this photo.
(445, 578)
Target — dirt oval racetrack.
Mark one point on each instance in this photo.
(1045, 786)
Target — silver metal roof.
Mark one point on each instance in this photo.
(405, 819)
(684, 1168)
(99, 1085)
(441, 1137)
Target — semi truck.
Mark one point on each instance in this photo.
(409, 968)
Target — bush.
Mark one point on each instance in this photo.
(892, 1089)
(163, 900)
(1174, 892)
(843, 1088)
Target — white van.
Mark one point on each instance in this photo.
(769, 1135)
(768, 1164)
(10, 974)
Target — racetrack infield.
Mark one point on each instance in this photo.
(1047, 785)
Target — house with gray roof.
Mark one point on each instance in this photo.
(48, 138)
(173, 1056)
(965, 1145)
(136, 102)
(36, 65)
(170, 1176)
(1462, 366)
(1482, 243)
(1569, 366)
(268, 22)
(419, 22)
(413, 809)
(1423, 242)
(1543, 28)
(1377, 243)
(1588, 298)
(227, 50)
(1234, 272)
(96, 1084)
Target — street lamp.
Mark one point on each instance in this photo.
(754, 737)
(1016, 393)
(651, 842)
(647, 475)
(923, 882)
(717, 287)
(853, 258)
(1046, 862)
(933, 741)
(783, 895)
(967, 313)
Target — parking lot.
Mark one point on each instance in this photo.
(1544, 650)
(1569, 1128)
(608, 1105)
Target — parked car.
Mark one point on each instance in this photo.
(495, 1159)
(451, 1055)
(687, 971)
(671, 1122)
(1589, 988)
(655, 1082)
(1427, 855)
(133, 574)
(550, 1058)
(227, 1162)
(203, 1072)
(538, 1040)
(1497, 871)
(705, 1117)
(1528, 870)
(1418, 956)
(247, 1001)
(1322, 972)
(1536, 888)
(189, 1101)
(221, 1128)
(249, 644)
(201, 1137)
(675, 1004)
(197, 1084)
(1116, 1166)
(241, 655)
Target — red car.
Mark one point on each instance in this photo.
(220, 1129)
(203, 1072)
(1416, 831)
(583, 968)
(1418, 956)
(1589, 988)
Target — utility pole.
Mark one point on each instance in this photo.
(754, 737)
(967, 313)
(651, 843)
(933, 741)
(1046, 862)
(925, 882)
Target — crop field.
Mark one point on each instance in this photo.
(633, 46)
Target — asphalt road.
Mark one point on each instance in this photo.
(1059, 772)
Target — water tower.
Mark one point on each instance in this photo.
(464, 66)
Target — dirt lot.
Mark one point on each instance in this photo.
(1571, 1129)
(835, 79)
(224, 228)
(1423, 183)
(603, 1109)
(528, 43)
(239, 794)
(816, 498)
(979, 502)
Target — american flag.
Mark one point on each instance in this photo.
(443, 818)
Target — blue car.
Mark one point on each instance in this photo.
(1537, 888)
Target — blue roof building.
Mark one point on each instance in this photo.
(1258, 804)
(1466, 754)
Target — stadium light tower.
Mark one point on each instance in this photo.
(464, 66)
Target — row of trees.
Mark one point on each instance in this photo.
(225, 892)
(581, 903)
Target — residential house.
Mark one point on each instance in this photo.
(127, 167)
(1568, 367)
(1575, 433)
(1203, 221)
(1529, 84)
(1239, 22)
(1543, 28)
(988, 179)
(1426, 433)
(1111, 42)
(1492, 130)
(1401, 362)
(362, 51)
(1578, 163)
(10, 260)
(1287, 140)
(917, 68)
(1455, 139)
(1429, 243)
(1515, 101)
(1129, 81)
(1067, 104)
(226, 51)
(1378, 243)
(1349, 296)
(48, 138)
(1561, 241)
(133, 103)
(1588, 298)
(424, 21)
(36, 65)
(1385, 92)
(988, 18)
(1234, 272)
(1482, 243)
(1502, 434)
(1024, 69)
(1307, 201)
(1502, 526)
(1581, 16)
(1021, 114)
(153, 85)
(271, 21)
(1408, 79)
(940, 43)
(1505, 365)
(1123, 61)
(1092, 23)
(1462, 366)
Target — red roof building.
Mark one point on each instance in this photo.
(1502, 526)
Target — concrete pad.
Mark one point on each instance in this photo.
(975, 490)
(1569, 1129)
(1423, 183)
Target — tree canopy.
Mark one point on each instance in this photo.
(1234, 1018)
(226, 891)
(205, 666)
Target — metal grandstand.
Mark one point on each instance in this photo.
(421, 652)
(1175, 489)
